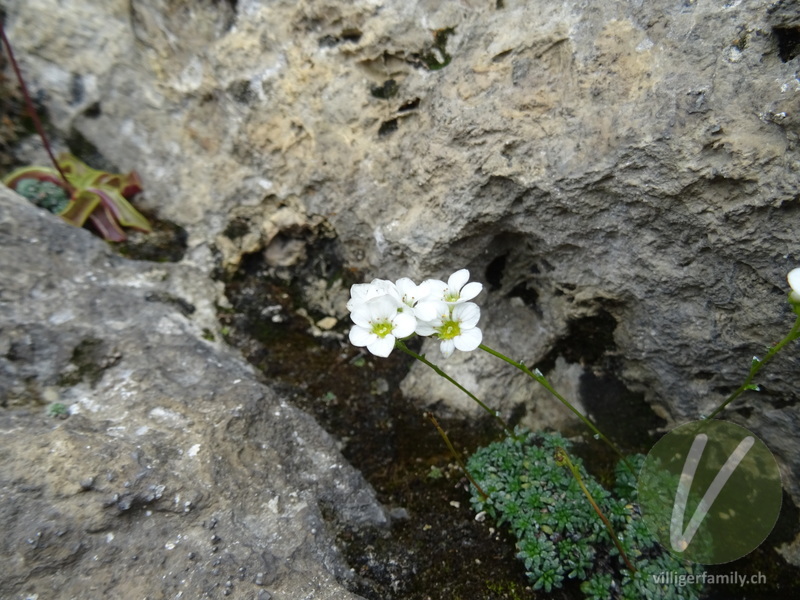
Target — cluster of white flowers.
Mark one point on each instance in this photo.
(384, 312)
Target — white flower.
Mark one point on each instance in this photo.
(410, 293)
(458, 290)
(379, 321)
(794, 282)
(454, 325)
(455, 291)
(362, 292)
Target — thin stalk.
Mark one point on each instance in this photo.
(537, 376)
(563, 458)
(456, 455)
(401, 346)
(756, 365)
(31, 110)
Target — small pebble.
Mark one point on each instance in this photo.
(327, 323)
(399, 514)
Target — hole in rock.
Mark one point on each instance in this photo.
(621, 414)
(494, 271)
(788, 39)
(587, 340)
(527, 294)
(411, 105)
(350, 35)
(387, 127)
(93, 111)
(388, 89)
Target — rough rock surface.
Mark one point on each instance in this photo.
(177, 473)
(622, 175)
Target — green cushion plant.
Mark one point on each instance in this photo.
(559, 534)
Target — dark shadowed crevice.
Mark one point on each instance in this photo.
(586, 341)
(788, 39)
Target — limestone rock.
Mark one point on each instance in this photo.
(175, 463)
(624, 169)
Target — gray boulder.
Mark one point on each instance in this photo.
(176, 472)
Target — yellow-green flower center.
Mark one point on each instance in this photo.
(382, 329)
(451, 297)
(449, 330)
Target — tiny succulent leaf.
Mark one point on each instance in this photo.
(98, 196)
(103, 219)
(81, 205)
(39, 173)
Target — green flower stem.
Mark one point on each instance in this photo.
(401, 346)
(563, 458)
(456, 455)
(756, 365)
(537, 376)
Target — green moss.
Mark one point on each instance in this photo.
(438, 58)
(58, 410)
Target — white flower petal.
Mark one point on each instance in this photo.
(794, 280)
(447, 348)
(432, 310)
(457, 280)
(467, 314)
(404, 285)
(410, 292)
(363, 292)
(424, 328)
(384, 285)
(382, 346)
(361, 337)
(424, 290)
(469, 291)
(436, 289)
(382, 308)
(404, 324)
(361, 316)
(469, 339)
